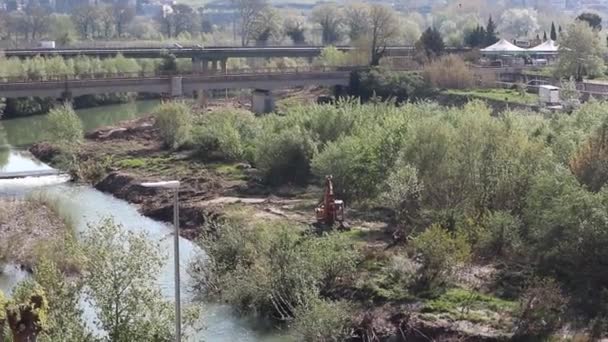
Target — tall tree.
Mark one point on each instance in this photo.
(123, 15)
(86, 19)
(184, 19)
(384, 28)
(430, 43)
(247, 12)
(519, 22)
(476, 38)
(37, 20)
(581, 52)
(553, 33)
(356, 19)
(295, 29)
(544, 36)
(121, 283)
(265, 27)
(594, 20)
(329, 18)
(107, 21)
(491, 33)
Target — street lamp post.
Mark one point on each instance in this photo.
(173, 185)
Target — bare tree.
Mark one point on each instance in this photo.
(248, 12)
(265, 27)
(384, 27)
(123, 15)
(357, 20)
(107, 21)
(37, 21)
(86, 19)
(329, 18)
(295, 28)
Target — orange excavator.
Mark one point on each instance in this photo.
(330, 210)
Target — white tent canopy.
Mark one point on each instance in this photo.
(548, 47)
(502, 46)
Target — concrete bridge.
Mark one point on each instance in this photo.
(196, 85)
(205, 58)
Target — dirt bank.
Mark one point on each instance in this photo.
(27, 228)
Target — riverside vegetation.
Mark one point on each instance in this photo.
(493, 220)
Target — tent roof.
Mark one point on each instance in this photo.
(548, 46)
(503, 46)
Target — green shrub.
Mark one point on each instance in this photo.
(403, 193)
(285, 156)
(389, 84)
(273, 269)
(64, 126)
(225, 134)
(440, 252)
(322, 320)
(500, 234)
(174, 120)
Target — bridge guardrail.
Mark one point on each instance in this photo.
(127, 75)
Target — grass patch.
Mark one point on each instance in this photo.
(149, 163)
(231, 171)
(462, 304)
(505, 95)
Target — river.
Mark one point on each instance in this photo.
(85, 204)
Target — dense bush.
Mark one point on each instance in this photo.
(273, 270)
(389, 84)
(174, 120)
(440, 253)
(449, 71)
(285, 156)
(322, 320)
(541, 309)
(225, 134)
(590, 163)
(64, 126)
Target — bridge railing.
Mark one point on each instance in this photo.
(156, 74)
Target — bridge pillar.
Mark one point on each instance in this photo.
(214, 67)
(224, 66)
(262, 101)
(176, 86)
(205, 66)
(196, 65)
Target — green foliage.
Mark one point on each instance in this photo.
(122, 270)
(27, 311)
(225, 134)
(284, 156)
(581, 52)
(430, 44)
(567, 230)
(590, 161)
(500, 234)
(322, 320)
(403, 192)
(440, 252)
(65, 322)
(174, 120)
(389, 84)
(65, 127)
(272, 269)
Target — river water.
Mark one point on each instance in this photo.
(87, 205)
